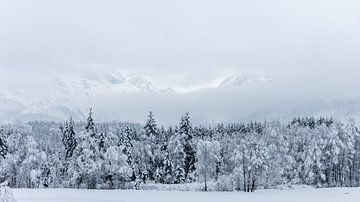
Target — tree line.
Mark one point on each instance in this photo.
(322, 152)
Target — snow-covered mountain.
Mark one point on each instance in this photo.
(245, 80)
(103, 84)
(115, 96)
(65, 95)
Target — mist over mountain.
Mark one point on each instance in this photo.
(65, 95)
(245, 80)
(114, 96)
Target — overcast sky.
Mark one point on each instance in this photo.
(182, 43)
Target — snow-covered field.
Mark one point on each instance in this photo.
(293, 195)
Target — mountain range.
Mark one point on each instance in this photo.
(65, 95)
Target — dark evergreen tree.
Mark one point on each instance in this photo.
(3, 145)
(179, 175)
(159, 175)
(68, 139)
(151, 138)
(100, 139)
(186, 131)
(163, 139)
(128, 146)
(88, 158)
(45, 175)
(90, 125)
(151, 127)
(168, 177)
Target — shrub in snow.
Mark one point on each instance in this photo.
(225, 183)
(5, 193)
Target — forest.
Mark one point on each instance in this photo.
(244, 156)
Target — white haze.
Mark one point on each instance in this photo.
(310, 47)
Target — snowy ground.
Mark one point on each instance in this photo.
(294, 195)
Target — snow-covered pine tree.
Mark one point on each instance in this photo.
(177, 157)
(162, 157)
(356, 158)
(186, 131)
(3, 145)
(347, 138)
(331, 151)
(45, 178)
(151, 138)
(68, 139)
(179, 175)
(128, 149)
(151, 126)
(90, 125)
(100, 139)
(168, 173)
(87, 163)
(159, 175)
(127, 137)
(163, 139)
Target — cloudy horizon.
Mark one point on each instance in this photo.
(310, 47)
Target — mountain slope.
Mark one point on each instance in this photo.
(245, 80)
(65, 95)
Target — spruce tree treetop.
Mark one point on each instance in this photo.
(127, 137)
(90, 126)
(150, 126)
(186, 127)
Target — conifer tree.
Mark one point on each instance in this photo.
(151, 138)
(186, 131)
(45, 175)
(179, 175)
(90, 126)
(128, 147)
(100, 139)
(168, 172)
(151, 127)
(68, 139)
(3, 145)
(127, 144)
(87, 163)
(176, 158)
